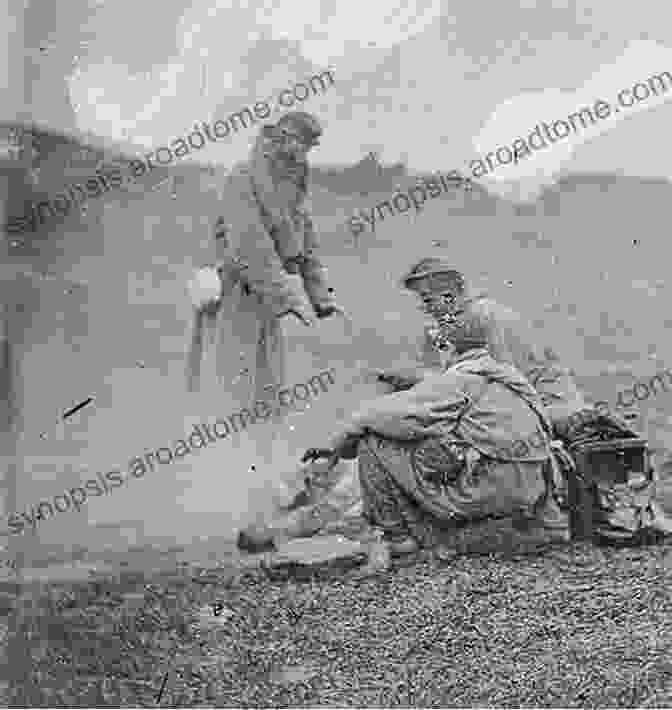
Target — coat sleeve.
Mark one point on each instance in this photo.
(313, 270)
(262, 269)
(412, 414)
(557, 388)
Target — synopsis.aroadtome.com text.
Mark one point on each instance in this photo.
(200, 436)
(111, 177)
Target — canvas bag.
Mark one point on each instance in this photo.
(620, 493)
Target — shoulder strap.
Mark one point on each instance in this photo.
(472, 401)
(541, 416)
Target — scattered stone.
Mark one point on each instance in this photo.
(219, 609)
(255, 539)
(134, 601)
(293, 674)
(207, 619)
(446, 554)
(7, 602)
(317, 550)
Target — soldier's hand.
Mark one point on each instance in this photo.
(333, 310)
(400, 379)
(305, 318)
(315, 454)
(222, 230)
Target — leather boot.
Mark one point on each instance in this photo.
(256, 539)
(401, 547)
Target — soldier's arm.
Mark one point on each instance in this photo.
(313, 270)
(404, 377)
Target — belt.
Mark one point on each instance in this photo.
(231, 272)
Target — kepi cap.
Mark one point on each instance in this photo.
(431, 266)
(306, 125)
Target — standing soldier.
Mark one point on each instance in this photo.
(268, 271)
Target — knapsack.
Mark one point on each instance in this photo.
(611, 486)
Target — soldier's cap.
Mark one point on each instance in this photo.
(305, 124)
(431, 266)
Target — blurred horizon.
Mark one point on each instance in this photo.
(213, 57)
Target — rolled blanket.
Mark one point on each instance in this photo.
(205, 287)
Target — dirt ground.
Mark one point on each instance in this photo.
(571, 626)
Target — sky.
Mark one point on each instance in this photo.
(427, 82)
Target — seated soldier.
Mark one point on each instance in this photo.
(430, 457)
(626, 513)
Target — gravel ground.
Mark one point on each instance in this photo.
(575, 626)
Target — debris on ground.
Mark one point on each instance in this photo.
(575, 626)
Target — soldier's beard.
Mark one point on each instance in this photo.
(289, 179)
(277, 188)
(288, 191)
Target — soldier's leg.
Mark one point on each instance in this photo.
(269, 438)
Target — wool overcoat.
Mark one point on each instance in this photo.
(269, 264)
